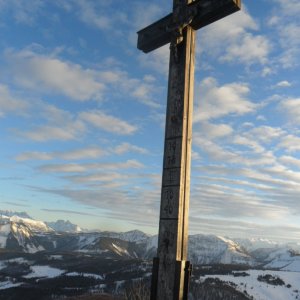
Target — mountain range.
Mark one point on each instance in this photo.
(19, 232)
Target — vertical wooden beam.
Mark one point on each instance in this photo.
(174, 211)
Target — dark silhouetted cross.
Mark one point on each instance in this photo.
(171, 271)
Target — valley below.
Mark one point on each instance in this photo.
(70, 275)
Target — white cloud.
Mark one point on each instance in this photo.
(107, 123)
(67, 132)
(9, 103)
(142, 92)
(261, 118)
(49, 74)
(219, 101)
(240, 228)
(227, 30)
(266, 134)
(106, 177)
(89, 14)
(289, 40)
(214, 151)
(84, 153)
(42, 72)
(289, 8)
(219, 199)
(57, 124)
(116, 203)
(232, 154)
(141, 89)
(267, 71)
(214, 131)
(251, 49)
(126, 147)
(290, 161)
(21, 11)
(34, 156)
(144, 17)
(52, 123)
(284, 83)
(157, 60)
(243, 141)
(89, 167)
(269, 191)
(290, 143)
(292, 108)
(81, 154)
(230, 40)
(286, 22)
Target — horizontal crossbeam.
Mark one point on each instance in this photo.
(208, 11)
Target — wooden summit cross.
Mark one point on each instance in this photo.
(171, 271)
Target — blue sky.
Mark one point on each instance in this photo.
(82, 115)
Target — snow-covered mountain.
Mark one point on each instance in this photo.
(272, 254)
(28, 235)
(64, 226)
(33, 225)
(209, 249)
(253, 244)
(129, 236)
(19, 234)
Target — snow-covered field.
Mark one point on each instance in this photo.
(55, 257)
(262, 290)
(2, 265)
(8, 284)
(44, 271)
(85, 275)
(19, 260)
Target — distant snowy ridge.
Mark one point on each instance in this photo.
(130, 236)
(253, 244)
(28, 235)
(18, 234)
(33, 225)
(64, 226)
(209, 249)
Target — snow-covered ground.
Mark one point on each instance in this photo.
(283, 259)
(2, 265)
(19, 260)
(55, 257)
(96, 276)
(44, 271)
(262, 290)
(294, 267)
(8, 284)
